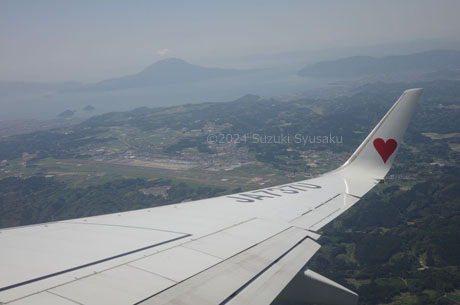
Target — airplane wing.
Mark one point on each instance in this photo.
(236, 249)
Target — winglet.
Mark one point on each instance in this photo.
(375, 155)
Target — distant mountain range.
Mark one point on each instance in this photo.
(167, 82)
(166, 72)
(358, 66)
(175, 82)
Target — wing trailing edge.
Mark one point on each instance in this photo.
(311, 287)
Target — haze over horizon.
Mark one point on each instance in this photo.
(90, 41)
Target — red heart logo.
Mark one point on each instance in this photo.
(385, 149)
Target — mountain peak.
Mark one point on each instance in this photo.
(168, 63)
(171, 60)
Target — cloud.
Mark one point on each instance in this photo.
(163, 51)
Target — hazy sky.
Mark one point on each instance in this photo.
(82, 40)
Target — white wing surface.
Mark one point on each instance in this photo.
(236, 249)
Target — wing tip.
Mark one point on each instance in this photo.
(414, 89)
(416, 92)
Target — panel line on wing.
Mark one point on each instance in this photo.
(221, 262)
(91, 264)
(122, 226)
(314, 208)
(63, 297)
(203, 252)
(226, 228)
(321, 204)
(142, 269)
(229, 298)
(319, 221)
